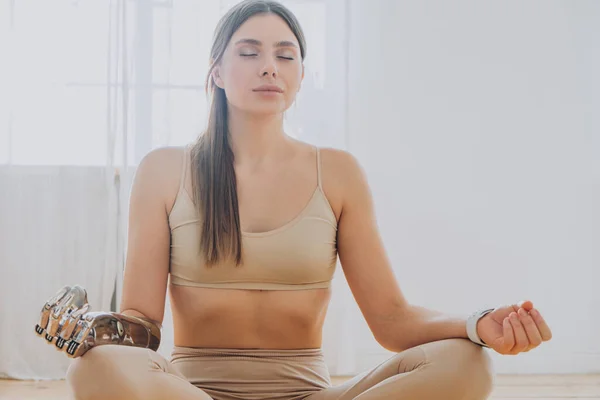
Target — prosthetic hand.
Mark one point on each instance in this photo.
(66, 321)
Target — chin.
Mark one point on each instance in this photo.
(266, 109)
(261, 107)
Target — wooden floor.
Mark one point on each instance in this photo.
(513, 387)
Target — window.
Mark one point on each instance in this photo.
(61, 91)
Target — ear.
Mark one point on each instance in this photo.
(216, 75)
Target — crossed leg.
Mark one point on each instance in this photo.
(121, 372)
(452, 369)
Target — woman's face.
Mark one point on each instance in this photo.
(261, 69)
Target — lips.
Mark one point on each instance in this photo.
(269, 88)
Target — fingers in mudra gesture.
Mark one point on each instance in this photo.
(514, 329)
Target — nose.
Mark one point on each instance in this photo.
(269, 69)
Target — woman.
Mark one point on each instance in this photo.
(248, 224)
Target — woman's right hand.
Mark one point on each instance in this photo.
(65, 320)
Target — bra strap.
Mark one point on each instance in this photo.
(184, 167)
(319, 167)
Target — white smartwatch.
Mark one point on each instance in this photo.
(472, 326)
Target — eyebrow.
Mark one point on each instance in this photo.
(283, 43)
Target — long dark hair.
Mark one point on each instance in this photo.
(213, 175)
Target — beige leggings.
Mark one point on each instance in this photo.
(453, 369)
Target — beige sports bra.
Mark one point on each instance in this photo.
(301, 254)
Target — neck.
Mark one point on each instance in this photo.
(256, 138)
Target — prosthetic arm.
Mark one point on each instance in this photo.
(66, 321)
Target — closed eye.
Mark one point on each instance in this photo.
(254, 55)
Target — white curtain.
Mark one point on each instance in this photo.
(87, 88)
(60, 207)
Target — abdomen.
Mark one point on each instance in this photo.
(232, 318)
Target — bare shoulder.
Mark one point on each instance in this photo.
(164, 157)
(341, 172)
(339, 160)
(159, 172)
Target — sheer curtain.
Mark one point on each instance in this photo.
(86, 90)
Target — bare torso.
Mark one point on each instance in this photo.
(234, 318)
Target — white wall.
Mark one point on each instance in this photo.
(477, 123)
